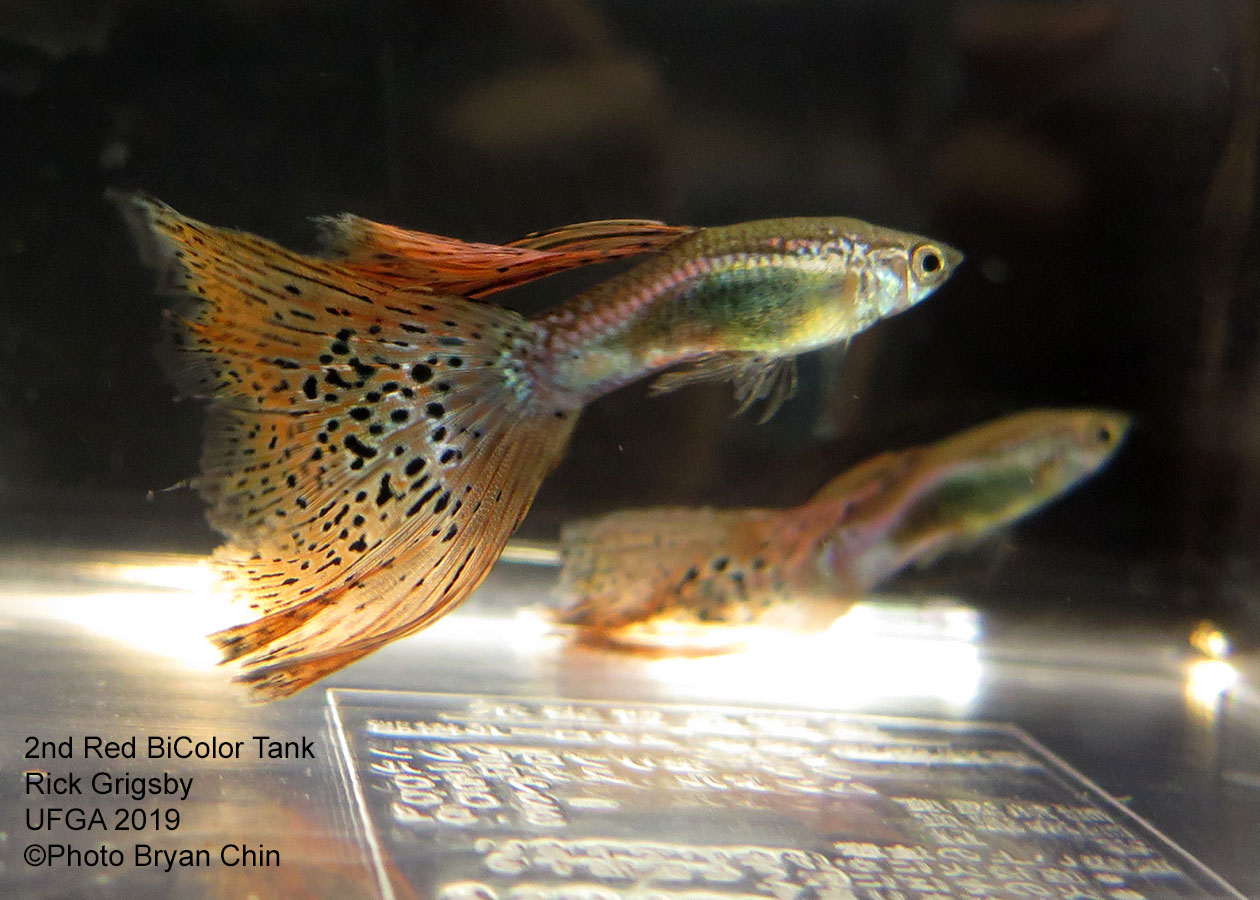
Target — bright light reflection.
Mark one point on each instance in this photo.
(525, 632)
(167, 604)
(165, 607)
(176, 576)
(876, 652)
(1207, 680)
(1210, 640)
(939, 620)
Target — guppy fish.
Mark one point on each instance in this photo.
(375, 435)
(645, 577)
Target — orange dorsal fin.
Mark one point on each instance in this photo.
(474, 269)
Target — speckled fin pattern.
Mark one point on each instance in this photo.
(630, 566)
(369, 448)
(471, 269)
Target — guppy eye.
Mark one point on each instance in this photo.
(927, 261)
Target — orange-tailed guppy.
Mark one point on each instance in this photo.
(375, 433)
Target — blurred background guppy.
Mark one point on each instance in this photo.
(656, 577)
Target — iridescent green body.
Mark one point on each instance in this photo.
(962, 489)
(736, 299)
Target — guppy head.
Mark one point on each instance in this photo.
(901, 268)
(1049, 450)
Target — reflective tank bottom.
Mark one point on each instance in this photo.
(914, 747)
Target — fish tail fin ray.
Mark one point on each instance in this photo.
(369, 447)
(284, 679)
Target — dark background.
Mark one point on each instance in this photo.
(1094, 159)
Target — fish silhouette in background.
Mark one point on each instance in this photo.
(647, 577)
(376, 433)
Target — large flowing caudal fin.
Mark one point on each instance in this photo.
(397, 256)
(369, 447)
